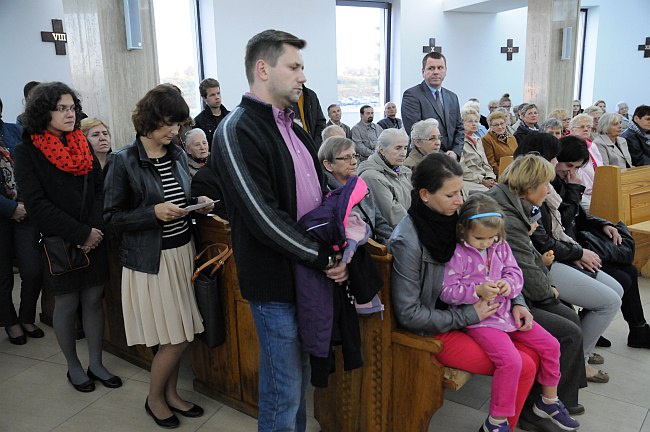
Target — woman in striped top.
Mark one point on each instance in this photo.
(147, 188)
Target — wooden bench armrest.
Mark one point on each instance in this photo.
(422, 343)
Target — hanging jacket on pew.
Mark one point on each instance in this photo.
(317, 295)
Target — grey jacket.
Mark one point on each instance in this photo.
(537, 283)
(416, 285)
(391, 191)
(614, 153)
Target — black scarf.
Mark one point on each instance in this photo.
(437, 232)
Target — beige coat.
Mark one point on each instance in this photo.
(614, 154)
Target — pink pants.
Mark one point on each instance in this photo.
(499, 347)
(461, 352)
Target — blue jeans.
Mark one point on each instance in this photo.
(284, 368)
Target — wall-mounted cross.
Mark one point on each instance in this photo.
(645, 48)
(57, 36)
(508, 50)
(431, 47)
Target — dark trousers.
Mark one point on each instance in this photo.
(19, 240)
(562, 322)
(631, 306)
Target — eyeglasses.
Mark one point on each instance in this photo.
(64, 109)
(496, 125)
(348, 158)
(434, 139)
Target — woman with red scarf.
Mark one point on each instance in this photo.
(62, 185)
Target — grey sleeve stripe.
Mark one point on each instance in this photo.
(234, 163)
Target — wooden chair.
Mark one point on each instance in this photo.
(504, 162)
(401, 384)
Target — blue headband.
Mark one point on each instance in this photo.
(482, 215)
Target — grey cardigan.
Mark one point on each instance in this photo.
(537, 283)
(416, 285)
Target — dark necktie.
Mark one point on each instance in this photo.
(438, 103)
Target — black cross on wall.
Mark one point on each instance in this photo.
(508, 50)
(431, 47)
(57, 36)
(645, 48)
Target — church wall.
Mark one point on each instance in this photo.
(24, 56)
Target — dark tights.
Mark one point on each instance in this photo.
(64, 319)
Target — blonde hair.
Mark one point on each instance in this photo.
(527, 172)
(581, 118)
(592, 110)
(89, 123)
(469, 111)
(497, 114)
(558, 113)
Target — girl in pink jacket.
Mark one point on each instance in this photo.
(483, 267)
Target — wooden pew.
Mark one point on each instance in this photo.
(401, 384)
(398, 389)
(621, 194)
(624, 195)
(504, 162)
(228, 373)
(641, 234)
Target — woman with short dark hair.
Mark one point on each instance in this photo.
(147, 189)
(61, 182)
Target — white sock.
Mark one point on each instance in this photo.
(495, 422)
(549, 401)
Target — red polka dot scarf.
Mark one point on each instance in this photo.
(75, 158)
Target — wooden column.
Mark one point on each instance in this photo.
(548, 80)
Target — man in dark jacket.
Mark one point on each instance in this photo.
(214, 112)
(309, 114)
(270, 166)
(637, 135)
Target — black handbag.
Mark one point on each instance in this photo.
(609, 252)
(62, 256)
(206, 291)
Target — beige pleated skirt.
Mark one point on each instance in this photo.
(161, 308)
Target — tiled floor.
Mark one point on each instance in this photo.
(35, 395)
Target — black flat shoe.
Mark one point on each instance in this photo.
(195, 411)
(37, 333)
(113, 382)
(576, 410)
(85, 387)
(603, 342)
(18, 340)
(168, 423)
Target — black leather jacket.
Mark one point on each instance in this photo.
(131, 190)
(574, 219)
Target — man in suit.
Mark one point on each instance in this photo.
(430, 100)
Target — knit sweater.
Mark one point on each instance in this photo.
(257, 177)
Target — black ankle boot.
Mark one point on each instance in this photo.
(639, 337)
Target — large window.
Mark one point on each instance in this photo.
(177, 48)
(362, 46)
(580, 53)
